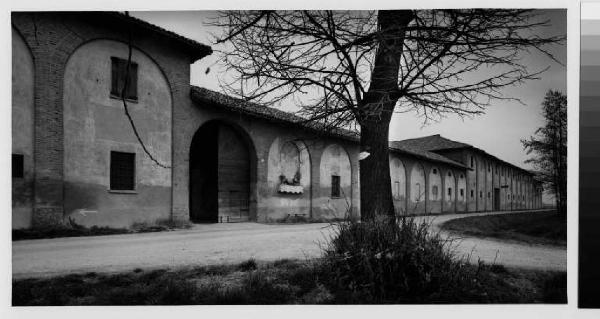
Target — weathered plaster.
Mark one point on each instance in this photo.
(435, 190)
(95, 124)
(22, 130)
(286, 158)
(449, 192)
(418, 190)
(334, 161)
(398, 180)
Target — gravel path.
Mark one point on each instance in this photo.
(232, 243)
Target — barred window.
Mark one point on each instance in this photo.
(17, 165)
(118, 75)
(122, 171)
(335, 186)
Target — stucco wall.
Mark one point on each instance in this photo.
(334, 161)
(461, 200)
(435, 191)
(22, 130)
(417, 189)
(286, 158)
(398, 181)
(264, 138)
(449, 192)
(95, 124)
(489, 190)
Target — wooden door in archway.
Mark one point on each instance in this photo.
(234, 176)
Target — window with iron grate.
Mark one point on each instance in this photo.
(335, 186)
(122, 171)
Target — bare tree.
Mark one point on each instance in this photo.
(549, 147)
(358, 68)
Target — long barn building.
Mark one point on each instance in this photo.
(75, 154)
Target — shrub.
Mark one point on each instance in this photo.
(248, 265)
(397, 262)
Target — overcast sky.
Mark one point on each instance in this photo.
(498, 131)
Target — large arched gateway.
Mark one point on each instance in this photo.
(220, 174)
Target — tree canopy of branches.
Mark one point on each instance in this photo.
(357, 68)
(549, 146)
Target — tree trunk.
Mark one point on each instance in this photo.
(375, 182)
(375, 113)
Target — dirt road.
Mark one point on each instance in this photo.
(230, 243)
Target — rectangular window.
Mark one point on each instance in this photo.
(18, 165)
(449, 191)
(471, 193)
(397, 189)
(118, 75)
(122, 171)
(462, 192)
(335, 186)
(471, 161)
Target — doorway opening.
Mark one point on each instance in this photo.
(220, 175)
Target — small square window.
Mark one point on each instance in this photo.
(122, 171)
(18, 165)
(118, 75)
(335, 186)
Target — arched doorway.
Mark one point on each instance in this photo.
(220, 169)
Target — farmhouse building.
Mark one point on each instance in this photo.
(76, 156)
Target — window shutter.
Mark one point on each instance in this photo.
(132, 85)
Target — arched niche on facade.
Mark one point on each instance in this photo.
(435, 191)
(449, 191)
(461, 191)
(289, 164)
(416, 204)
(398, 181)
(335, 181)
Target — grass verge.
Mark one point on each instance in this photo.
(375, 262)
(280, 282)
(544, 228)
